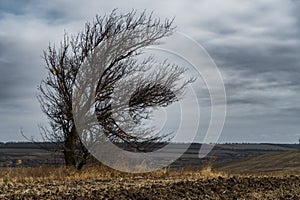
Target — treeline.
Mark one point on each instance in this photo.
(29, 145)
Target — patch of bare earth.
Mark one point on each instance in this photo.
(165, 188)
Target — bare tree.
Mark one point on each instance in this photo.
(119, 40)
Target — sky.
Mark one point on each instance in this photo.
(255, 44)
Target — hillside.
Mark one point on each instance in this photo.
(285, 162)
(36, 154)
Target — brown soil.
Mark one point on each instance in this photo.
(141, 188)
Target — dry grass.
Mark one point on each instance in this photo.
(101, 172)
(100, 182)
(96, 172)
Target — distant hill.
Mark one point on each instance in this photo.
(285, 162)
(35, 154)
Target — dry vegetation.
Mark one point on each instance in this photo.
(47, 173)
(100, 182)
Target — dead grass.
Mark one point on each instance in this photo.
(101, 172)
(101, 182)
(96, 172)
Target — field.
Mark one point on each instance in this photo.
(33, 155)
(272, 163)
(232, 171)
(103, 183)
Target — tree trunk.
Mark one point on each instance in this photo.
(70, 146)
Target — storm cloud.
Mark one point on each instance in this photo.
(255, 44)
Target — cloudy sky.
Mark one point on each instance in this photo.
(255, 44)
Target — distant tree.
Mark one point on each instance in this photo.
(128, 34)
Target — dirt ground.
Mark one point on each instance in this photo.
(141, 188)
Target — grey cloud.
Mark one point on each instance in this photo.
(14, 6)
(255, 44)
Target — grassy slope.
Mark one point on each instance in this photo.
(284, 162)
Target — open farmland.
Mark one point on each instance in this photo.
(32, 155)
(231, 171)
(158, 185)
